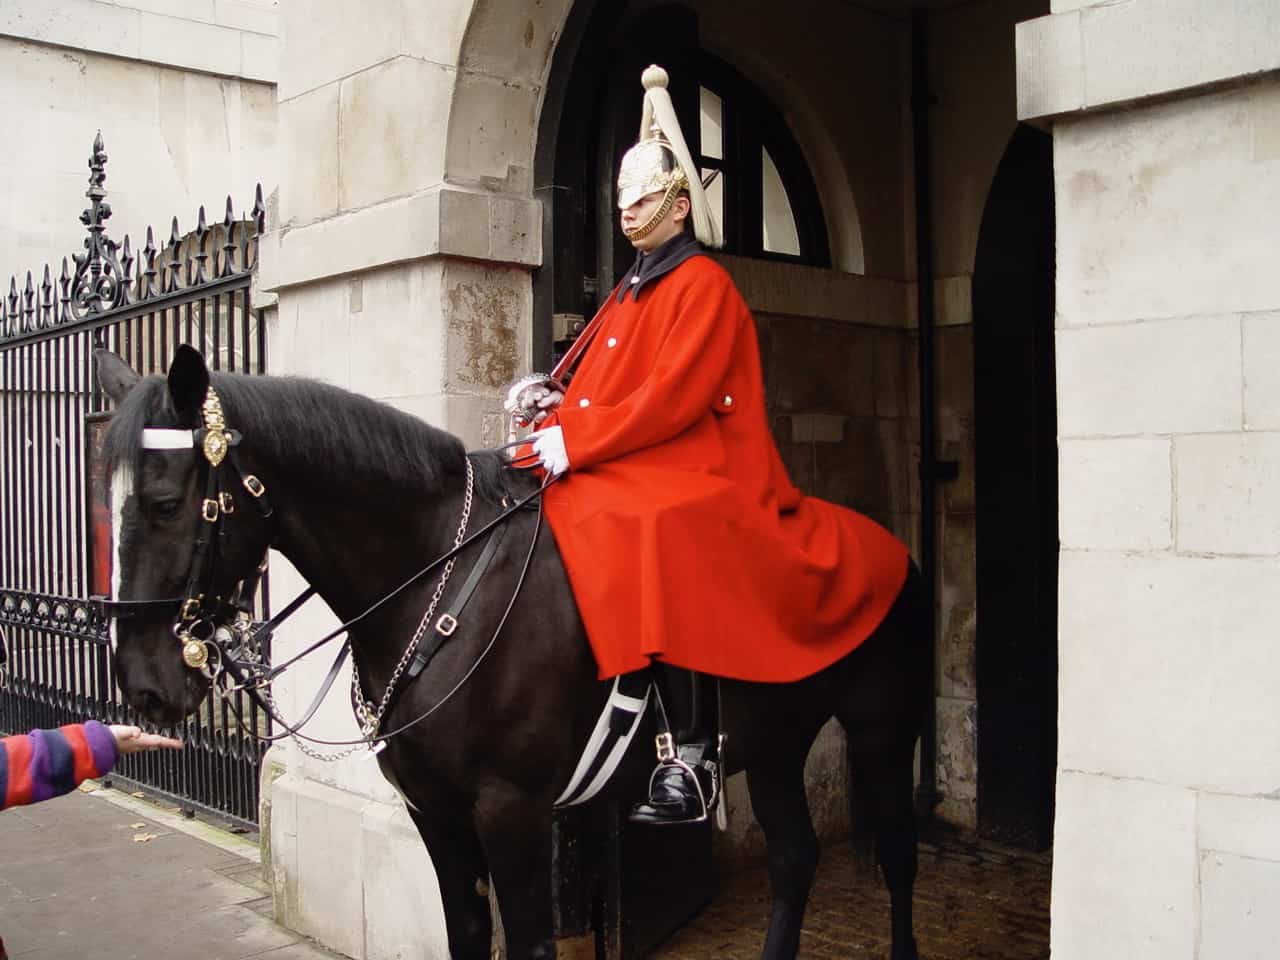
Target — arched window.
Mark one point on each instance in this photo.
(759, 185)
(758, 180)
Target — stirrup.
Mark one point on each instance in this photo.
(668, 758)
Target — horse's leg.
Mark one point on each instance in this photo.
(776, 784)
(882, 775)
(515, 830)
(463, 876)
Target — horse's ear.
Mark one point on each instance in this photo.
(188, 382)
(114, 375)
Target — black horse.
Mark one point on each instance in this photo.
(363, 495)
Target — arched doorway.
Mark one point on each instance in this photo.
(1017, 497)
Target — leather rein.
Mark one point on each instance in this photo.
(218, 636)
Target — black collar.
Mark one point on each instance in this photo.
(651, 266)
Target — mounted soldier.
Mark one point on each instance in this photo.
(688, 548)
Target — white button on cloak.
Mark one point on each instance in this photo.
(584, 402)
(728, 400)
(611, 342)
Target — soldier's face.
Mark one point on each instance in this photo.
(640, 213)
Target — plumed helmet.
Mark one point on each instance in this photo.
(660, 161)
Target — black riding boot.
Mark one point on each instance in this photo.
(685, 786)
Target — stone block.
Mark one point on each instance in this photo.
(801, 291)
(1124, 870)
(1226, 486)
(817, 427)
(1141, 49)
(330, 904)
(1093, 54)
(1238, 919)
(1241, 826)
(391, 118)
(76, 24)
(1169, 376)
(309, 139)
(1180, 642)
(312, 333)
(199, 10)
(515, 230)
(822, 366)
(259, 57)
(953, 297)
(958, 602)
(492, 126)
(894, 353)
(954, 385)
(487, 316)
(958, 760)
(464, 223)
(187, 43)
(249, 15)
(515, 43)
(861, 472)
(1115, 494)
(403, 912)
(325, 42)
(1050, 66)
(397, 345)
(1262, 371)
(1195, 196)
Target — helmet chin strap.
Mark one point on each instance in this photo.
(646, 228)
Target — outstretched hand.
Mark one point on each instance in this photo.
(130, 739)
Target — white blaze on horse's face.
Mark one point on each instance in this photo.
(121, 490)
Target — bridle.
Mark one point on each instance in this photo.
(220, 640)
(205, 623)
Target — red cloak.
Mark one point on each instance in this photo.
(681, 533)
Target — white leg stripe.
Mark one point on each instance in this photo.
(616, 701)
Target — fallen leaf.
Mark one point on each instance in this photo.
(143, 837)
(139, 794)
(136, 826)
(88, 787)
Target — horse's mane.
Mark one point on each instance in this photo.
(316, 427)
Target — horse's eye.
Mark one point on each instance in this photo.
(166, 509)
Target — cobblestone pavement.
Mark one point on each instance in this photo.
(974, 901)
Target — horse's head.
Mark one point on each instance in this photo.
(186, 536)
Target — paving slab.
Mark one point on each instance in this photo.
(113, 877)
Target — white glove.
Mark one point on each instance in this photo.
(548, 446)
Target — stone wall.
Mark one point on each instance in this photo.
(184, 97)
(973, 116)
(1169, 395)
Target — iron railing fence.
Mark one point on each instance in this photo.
(55, 530)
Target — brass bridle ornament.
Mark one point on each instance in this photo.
(206, 626)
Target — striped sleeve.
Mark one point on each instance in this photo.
(48, 763)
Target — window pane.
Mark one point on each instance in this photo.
(715, 195)
(712, 125)
(779, 227)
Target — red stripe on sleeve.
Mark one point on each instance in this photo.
(19, 791)
(84, 768)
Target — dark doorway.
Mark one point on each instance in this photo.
(1017, 497)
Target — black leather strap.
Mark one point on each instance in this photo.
(447, 622)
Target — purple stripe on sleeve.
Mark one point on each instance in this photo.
(41, 781)
(102, 745)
